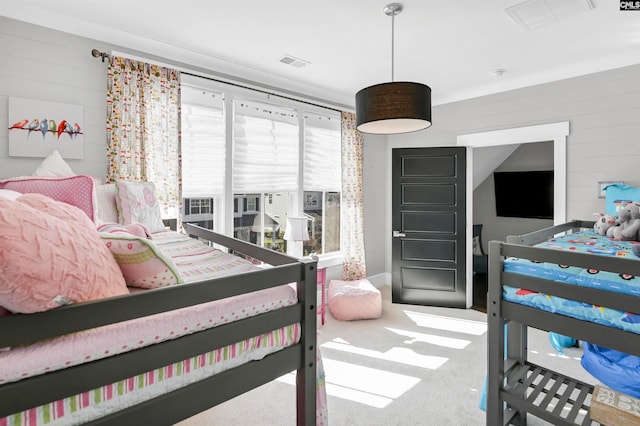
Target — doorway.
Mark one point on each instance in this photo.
(556, 132)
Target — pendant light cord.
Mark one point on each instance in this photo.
(393, 16)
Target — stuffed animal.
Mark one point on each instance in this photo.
(629, 222)
(604, 224)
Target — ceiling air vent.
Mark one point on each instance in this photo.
(532, 14)
(293, 61)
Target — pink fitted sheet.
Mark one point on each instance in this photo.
(89, 345)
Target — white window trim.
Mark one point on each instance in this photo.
(231, 92)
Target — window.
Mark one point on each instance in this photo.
(322, 185)
(267, 158)
(266, 146)
(199, 211)
(198, 206)
(252, 204)
(203, 155)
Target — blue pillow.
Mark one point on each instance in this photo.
(618, 193)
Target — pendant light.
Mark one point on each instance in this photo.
(395, 107)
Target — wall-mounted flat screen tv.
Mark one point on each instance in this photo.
(527, 194)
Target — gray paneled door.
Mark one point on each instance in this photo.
(429, 226)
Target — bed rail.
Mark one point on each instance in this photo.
(24, 329)
(546, 233)
(543, 320)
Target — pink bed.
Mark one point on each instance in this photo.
(180, 312)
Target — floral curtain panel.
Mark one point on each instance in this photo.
(352, 244)
(143, 128)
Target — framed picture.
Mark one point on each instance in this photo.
(602, 185)
(37, 128)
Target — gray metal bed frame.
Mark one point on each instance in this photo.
(182, 403)
(515, 386)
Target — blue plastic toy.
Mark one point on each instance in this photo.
(559, 342)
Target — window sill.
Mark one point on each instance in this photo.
(329, 259)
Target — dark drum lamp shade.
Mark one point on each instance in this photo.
(396, 107)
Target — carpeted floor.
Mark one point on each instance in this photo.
(416, 365)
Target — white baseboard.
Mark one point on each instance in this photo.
(379, 280)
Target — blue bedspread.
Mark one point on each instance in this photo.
(587, 242)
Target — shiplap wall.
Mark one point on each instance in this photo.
(603, 110)
(41, 64)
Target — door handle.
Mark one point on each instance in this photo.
(399, 234)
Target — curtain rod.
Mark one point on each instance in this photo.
(98, 54)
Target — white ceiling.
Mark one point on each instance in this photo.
(452, 46)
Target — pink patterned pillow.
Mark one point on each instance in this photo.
(137, 203)
(51, 255)
(140, 261)
(77, 190)
(354, 300)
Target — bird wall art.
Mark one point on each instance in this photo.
(45, 127)
(37, 128)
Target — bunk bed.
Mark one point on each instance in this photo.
(517, 387)
(117, 373)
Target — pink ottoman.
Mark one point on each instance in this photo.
(354, 300)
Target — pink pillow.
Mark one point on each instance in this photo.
(51, 255)
(354, 300)
(137, 203)
(140, 261)
(77, 190)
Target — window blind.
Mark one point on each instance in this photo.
(322, 153)
(266, 143)
(203, 143)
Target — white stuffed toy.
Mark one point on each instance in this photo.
(605, 224)
(629, 220)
